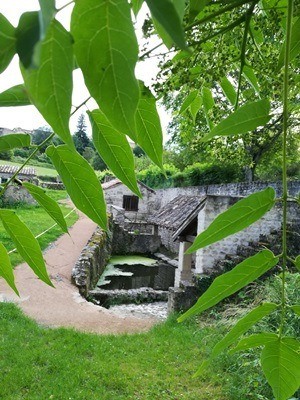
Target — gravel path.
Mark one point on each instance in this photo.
(63, 306)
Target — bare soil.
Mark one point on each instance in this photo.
(63, 306)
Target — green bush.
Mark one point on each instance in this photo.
(155, 178)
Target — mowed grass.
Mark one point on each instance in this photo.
(38, 363)
(38, 221)
(39, 170)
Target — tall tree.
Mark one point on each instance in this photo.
(80, 137)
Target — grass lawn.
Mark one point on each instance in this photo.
(38, 221)
(39, 170)
(60, 364)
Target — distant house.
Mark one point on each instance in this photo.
(7, 171)
(119, 197)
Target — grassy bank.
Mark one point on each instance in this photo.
(38, 221)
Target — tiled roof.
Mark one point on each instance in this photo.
(115, 182)
(12, 169)
(175, 214)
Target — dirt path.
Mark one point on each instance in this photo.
(63, 306)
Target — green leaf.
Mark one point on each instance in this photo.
(295, 44)
(297, 263)
(187, 102)
(238, 217)
(256, 340)
(50, 86)
(46, 14)
(148, 127)
(8, 142)
(228, 90)
(50, 205)
(195, 107)
(14, 96)
(243, 325)
(114, 148)
(196, 6)
(230, 282)
(28, 35)
(81, 182)
(26, 244)
(7, 43)
(136, 6)
(208, 100)
(6, 270)
(281, 366)
(245, 119)
(296, 309)
(166, 14)
(106, 51)
(251, 78)
(166, 38)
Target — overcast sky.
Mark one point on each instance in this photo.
(28, 117)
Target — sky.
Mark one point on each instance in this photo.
(28, 117)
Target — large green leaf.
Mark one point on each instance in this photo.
(114, 148)
(251, 78)
(295, 44)
(106, 50)
(6, 270)
(238, 217)
(230, 282)
(7, 42)
(208, 100)
(281, 366)
(228, 90)
(167, 16)
(166, 38)
(48, 204)
(46, 14)
(50, 86)
(245, 119)
(28, 35)
(81, 182)
(196, 6)
(187, 102)
(26, 244)
(296, 309)
(148, 127)
(242, 326)
(14, 96)
(255, 340)
(8, 142)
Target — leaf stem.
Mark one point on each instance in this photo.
(284, 160)
(64, 6)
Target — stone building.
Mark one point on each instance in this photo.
(27, 174)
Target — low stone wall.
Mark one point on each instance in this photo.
(129, 243)
(92, 261)
(18, 194)
(52, 185)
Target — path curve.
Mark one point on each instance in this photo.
(64, 306)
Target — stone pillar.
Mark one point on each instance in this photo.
(184, 270)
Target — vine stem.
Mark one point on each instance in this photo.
(284, 159)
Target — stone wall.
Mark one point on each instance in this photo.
(125, 242)
(52, 185)
(92, 261)
(241, 189)
(18, 194)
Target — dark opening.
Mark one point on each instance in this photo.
(130, 203)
